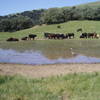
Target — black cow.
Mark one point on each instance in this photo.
(84, 35)
(58, 26)
(66, 36)
(32, 36)
(79, 30)
(63, 36)
(70, 35)
(24, 38)
(81, 36)
(12, 39)
(46, 35)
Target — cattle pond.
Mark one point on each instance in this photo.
(39, 52)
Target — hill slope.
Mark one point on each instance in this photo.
(71, 26)
(93, 4)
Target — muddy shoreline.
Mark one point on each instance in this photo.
(38, 71)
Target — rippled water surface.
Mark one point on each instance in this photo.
(50, 52)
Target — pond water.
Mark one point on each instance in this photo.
(50, 52)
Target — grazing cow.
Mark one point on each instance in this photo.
(81, 36)
(32, 36)
(46, 35)
(58, 36)
(84, 35)
(70, 35)
(97, 36)
(79, 30)
(58, 26)
(12, 39)
(66, 36)
(61, 36)
(24, 38)
(91, 35)
(50, 35)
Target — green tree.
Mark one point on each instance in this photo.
(53, 16)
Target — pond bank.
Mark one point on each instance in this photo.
(39, 71)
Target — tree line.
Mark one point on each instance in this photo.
(29, 19)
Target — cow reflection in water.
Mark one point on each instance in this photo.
(56, 53)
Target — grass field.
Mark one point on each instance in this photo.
(81, 86)
(93, 5)
(71, 26)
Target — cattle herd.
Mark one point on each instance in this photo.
(56, 36)
(89, 35)
(70, 35)
(29, 37)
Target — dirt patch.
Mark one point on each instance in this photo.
(47, 70)
(36, 26)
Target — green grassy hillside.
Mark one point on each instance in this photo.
(71, 26)
(93, 4)
(69, 87)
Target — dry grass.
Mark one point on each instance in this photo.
(47, 70)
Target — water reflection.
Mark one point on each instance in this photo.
(57, 49)
(37, 58)
(55, 54)
(50, 52)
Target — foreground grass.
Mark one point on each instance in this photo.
(70, 87)
(68, 27)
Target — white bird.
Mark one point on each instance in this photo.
(73, 53)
